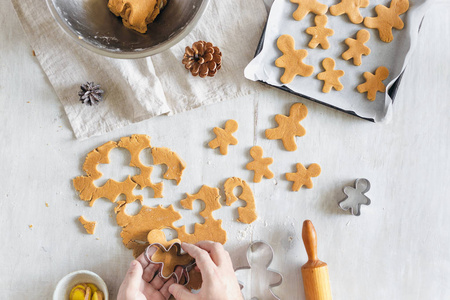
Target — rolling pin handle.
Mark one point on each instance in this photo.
(309, 237)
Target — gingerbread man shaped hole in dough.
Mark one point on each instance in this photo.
(319, 33)
(356, 48)
(330, 76)
(292, 60)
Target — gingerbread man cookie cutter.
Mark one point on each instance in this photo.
(355, 196)
(259, 257)
(185, 268)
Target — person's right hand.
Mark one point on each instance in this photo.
(219, 280)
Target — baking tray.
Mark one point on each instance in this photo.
(413, 21)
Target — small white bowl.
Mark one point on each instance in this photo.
(65, 285)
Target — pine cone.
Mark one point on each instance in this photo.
(202, 59)
(90, 93)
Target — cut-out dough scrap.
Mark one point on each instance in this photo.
(211, 229)
(175, 165)
(259, 165)
(97, 156)
(224, 137)
(88, 225)
(291, 60)
(110, 190)
(388, 18)
(356, 48)
(303, 176)
(307, 6)
(88, 191)
(330, 76)
(350, 8)
(135, 144)
(319, 33)
(289, 127)
(135, 228)
(374, 83)
(247, 214)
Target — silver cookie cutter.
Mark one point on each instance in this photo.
(185, 268)
(260, 252)
(355, 196)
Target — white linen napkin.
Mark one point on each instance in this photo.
(139, 89)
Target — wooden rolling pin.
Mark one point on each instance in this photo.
(315, 272)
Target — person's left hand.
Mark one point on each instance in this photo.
(141, 283)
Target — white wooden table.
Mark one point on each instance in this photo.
(397, 249)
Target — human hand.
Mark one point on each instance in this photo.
(141, 283)
(219, 280)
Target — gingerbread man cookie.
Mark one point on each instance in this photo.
(388, 18)
(319, 33)
(291, 60)
(289, 127)
(303, 176)
(356, 48)
(224, 137)
(259, 164)
(374, 83)
(330, 76)
(307, 6)
(351, 8)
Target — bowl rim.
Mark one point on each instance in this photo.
(76, 273)
(172, 41)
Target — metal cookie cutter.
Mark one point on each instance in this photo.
(355, 196)
(257, 274)
(185, 268)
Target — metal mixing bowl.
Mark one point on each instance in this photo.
(92, 25)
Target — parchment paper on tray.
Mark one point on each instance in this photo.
(394, 56)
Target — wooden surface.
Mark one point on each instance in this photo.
(397, 249)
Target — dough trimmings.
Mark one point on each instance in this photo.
(374, 83)
(292, 60)
(356, 48)
(319, 33)
(388, 18)
(247, 214)
(211, 229)
(135, 228)
(224, 137)
(88, 191)
(289, 127)
(307, 6)
(330, 76)
(175, 165)
(137, 14)
(88, 225)
(303, 176)
(135, 144)
(351, 8)
(259, 165)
